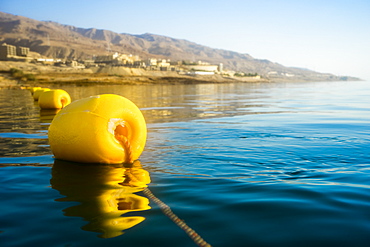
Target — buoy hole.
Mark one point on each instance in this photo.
(121, 133)
(63, 101)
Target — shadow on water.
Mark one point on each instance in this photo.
(105, 193)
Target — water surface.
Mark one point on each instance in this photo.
(251, 164)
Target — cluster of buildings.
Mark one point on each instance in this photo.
(11, 52)
(125, 60)
(18, 53)
(23, 54)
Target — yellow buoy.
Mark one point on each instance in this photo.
(33, 89)
(38, 92)
(106, 128)
(54, 99)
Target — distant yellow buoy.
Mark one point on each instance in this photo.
(33, 89)
(106, 128)
(54, 99)
(38, 92)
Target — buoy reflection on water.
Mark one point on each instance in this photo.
(105, 193)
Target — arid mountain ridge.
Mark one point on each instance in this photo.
(56, 40)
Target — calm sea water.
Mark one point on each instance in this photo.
(257, 164)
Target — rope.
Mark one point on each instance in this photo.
(180, 223)
(164, 207)
(128, 151)
(168, 212)
(126, 147)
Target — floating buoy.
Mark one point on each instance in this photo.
(33, 89)
(106, 129)
(38, 92)
(54, 99)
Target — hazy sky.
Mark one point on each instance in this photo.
(323, 35)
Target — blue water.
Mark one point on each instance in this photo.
(252, 164)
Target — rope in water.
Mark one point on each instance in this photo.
(164, 207)
(180, 223)
(168, 212)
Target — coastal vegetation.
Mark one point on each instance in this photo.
(245, 74)
(20, 75)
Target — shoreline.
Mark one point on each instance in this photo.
(36, 74)
(39, 74)
(7, 80)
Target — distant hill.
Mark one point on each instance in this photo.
(52, 39)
